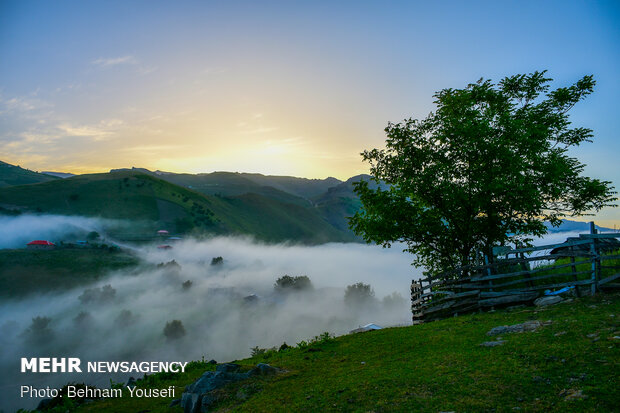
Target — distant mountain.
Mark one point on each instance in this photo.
(340, 202)
(283, 188)
(573, 226)
(145, 198)
(58, 174)
(302, 187)
(14, 175)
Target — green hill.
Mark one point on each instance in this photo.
(229, 184)
(283, 188)
(25, 271)
(301, 187)
(14, 175)
(155, 203)
(570, 363)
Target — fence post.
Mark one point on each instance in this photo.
(593, 265)
(524, 267)
(574, 270)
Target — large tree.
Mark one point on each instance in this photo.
(487, 168)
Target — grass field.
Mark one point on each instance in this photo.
(25, 271)
(571, 363)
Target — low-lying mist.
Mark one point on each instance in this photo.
(19, 230)
(222, 308)
(225, 309)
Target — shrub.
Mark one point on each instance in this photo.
(174, 330)
(288, 283)
(359, 294)
(98, 295)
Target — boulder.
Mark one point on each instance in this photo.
(549, 300)
(199, 396)
(263, 369)
(492, 343)
(228, 368)
(515, 328)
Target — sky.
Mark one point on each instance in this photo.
(280, 88)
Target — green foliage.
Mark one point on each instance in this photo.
(25, 271)
(485, 169)
(264, 353)
(39, 332)
(359, 294)
(174, 330)
(92, 236)
(98, 295)
(394, 301)
(287, 283)
(217, 261)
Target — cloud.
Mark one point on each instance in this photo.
(114, 61)
(99, 131)
(22, 105)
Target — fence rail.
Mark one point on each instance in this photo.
(516, 276)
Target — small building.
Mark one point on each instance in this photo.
(164, 247)
(162, 232)
(604, 245)
(367, 327)
(41, 245)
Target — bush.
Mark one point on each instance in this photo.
(98, 295)
(394, 301)
(174, 330)
(92, 236)
(359, 294)
(83, 319)
(125, 318)
(39, 331)
(288, 283)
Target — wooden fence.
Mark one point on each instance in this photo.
(584, 264)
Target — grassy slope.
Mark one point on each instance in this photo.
(26, 271)
(434, 367)
(230, 184)
(274, 221)
(14, 175)
(137, 196)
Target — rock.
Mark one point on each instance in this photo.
(206, 402)
(228, 368)
(561, 333)
(550, 300)
(515, 328)
(572, 394)
(175, 402)
(199, 396)
(190, 402)
(492, 343)
(263, 369)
